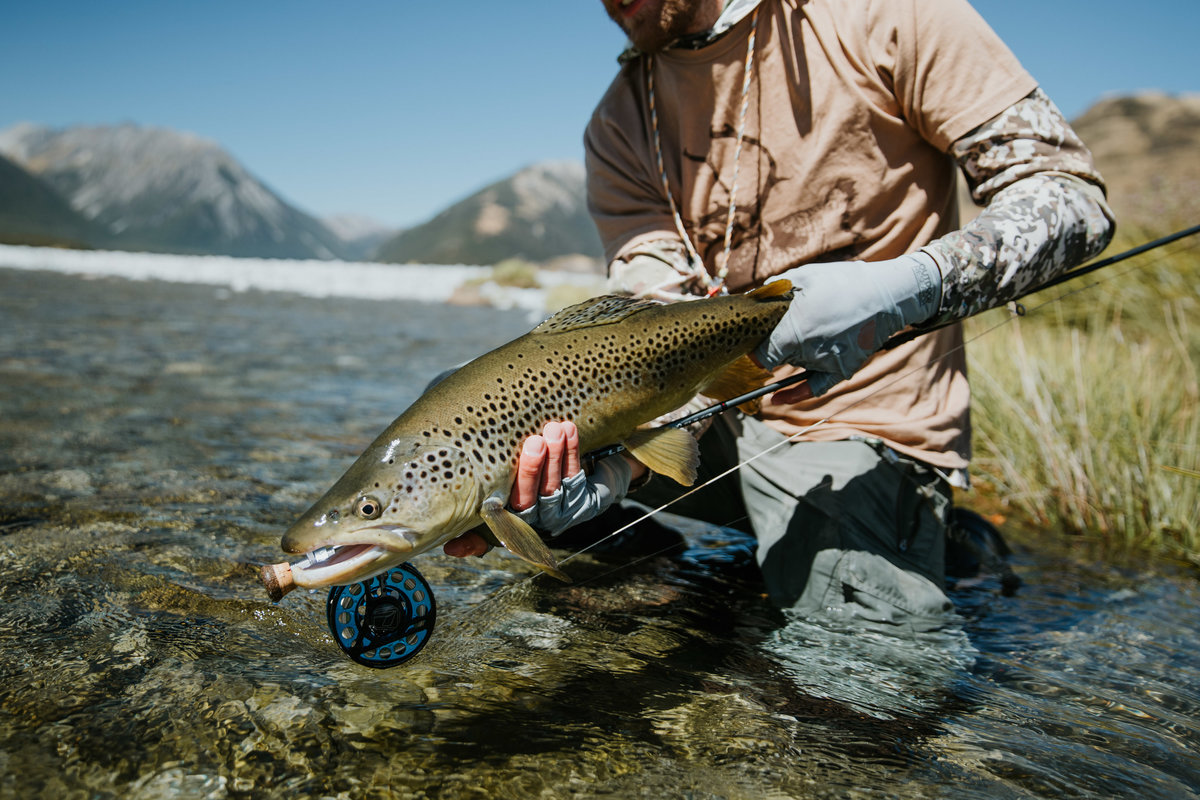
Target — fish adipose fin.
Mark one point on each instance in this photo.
(603, 310)
(668, 451)
(520, 539)
(738, 378)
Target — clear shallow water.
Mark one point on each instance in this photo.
(155, 439)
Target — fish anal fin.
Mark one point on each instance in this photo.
(738, 378)
(519, 538)
(668, 451)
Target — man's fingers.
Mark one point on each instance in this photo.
(571, 461)
(544, 461)
(469, 544)
(529, 473)
(556, 445)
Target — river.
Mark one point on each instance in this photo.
(157, 437)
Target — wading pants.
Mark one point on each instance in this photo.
(848, 528)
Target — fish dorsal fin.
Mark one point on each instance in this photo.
(738, 378)
(520, 539)
(668, 451)
(602, 310)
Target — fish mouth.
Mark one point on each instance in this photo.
(341, 564)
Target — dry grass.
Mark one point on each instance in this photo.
(1085, 413)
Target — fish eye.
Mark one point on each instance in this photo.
(368, 507)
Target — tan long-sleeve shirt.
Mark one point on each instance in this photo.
(853, 108)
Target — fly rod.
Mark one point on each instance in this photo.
(901, 338)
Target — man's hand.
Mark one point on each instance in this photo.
(547, 463)
(844, 311)
(545, 460)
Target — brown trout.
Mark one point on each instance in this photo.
(447, 464)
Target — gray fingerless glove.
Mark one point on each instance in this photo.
(580, 498)
(844, 311)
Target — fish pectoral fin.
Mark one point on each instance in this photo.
(519, 538)
(668, 451)
(738, 378)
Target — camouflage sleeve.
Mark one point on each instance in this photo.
(656, 268)
(1045, 209)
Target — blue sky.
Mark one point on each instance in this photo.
(396, 109)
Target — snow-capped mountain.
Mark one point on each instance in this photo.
(537, 214)
(164, 190)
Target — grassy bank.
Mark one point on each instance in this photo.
(1086, 409)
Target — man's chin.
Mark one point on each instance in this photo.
(653, 24)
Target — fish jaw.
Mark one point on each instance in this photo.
(343, 564)
(339, 557)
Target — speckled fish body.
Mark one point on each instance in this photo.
(447, 464)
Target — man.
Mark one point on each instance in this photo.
(817, 140)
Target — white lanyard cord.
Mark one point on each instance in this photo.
(696, 264)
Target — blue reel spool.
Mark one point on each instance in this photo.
(385, 620)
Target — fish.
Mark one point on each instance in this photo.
(446, 465)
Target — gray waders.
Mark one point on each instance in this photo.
(848, 528)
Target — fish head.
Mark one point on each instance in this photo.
(399, 499)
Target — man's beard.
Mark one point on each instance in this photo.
(675, 19)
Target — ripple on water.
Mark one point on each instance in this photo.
(156, 439)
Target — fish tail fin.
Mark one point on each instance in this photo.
(668, 451)
(769, 291)
(738, 378)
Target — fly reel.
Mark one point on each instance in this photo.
(385, 620)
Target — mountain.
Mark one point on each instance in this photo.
(1147, 147)
(132, 187)
(361, 235)
(538, 214)
(33, 213)
(163, 190)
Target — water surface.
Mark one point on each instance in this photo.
(156, 438)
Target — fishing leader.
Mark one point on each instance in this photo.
(820, 141)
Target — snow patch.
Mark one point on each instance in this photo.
(311, 278)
